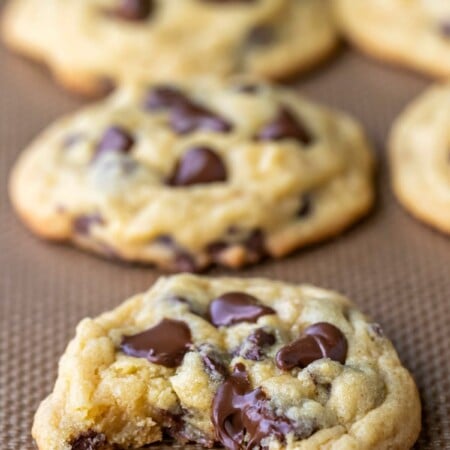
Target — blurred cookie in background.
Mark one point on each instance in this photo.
(410, 33)
(91, 45)
(185, 176)
(420, 157)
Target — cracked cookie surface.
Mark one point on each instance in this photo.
(241, 363)
(184, 177)
(420, 157)
(89, 44)
(411, 33)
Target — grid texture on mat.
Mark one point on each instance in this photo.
(393, 267)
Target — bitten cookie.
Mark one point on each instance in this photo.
(90, 43)
(411, 33)
(420, 157)
(183, 177)
(240, 363)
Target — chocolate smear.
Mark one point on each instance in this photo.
(243, 417)
(321, 340)
(236, 307)
(165, 343)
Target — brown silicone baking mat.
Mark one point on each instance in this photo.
(394, 268)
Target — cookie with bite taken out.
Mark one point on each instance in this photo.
(239, 363)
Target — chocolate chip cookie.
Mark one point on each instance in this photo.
(420, 157)
(92, 44)
(184, 177)
(243, 364)
(411, 33)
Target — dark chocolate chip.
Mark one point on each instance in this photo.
(260, 36)
(255, 244)
(214, 366)
(82, 224)
(163, 97)
(445, 28)
(115, 139)
(305, 207)
(215, 362)
(243, 417)
(321, 340)
(253, 347)
(199, 165)
(215, 249)
(184, 262)
(236, 307)
(262, 338)
(285, 126)
(164, 239)
(248, 88)
(188, 117)
(134, 10)
(91, 440)
(165, 343)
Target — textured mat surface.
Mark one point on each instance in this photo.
(393, 267)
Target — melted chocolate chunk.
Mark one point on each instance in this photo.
(215, 249)
(82, 224)
(134, 10)
(91, 440)
(321, 340)
(184, 262)
(188, 117)
(305, 207)
(445, 28)
(248, 88)
(163, 97)
(285, 126)
(165, 343)
(260, 36)
(215, 362)
(242, 417)
(199, 165)
(236, 307)
(262, 338)
(115, 139)
(255, 244)
(253, 347)
(164, 239)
